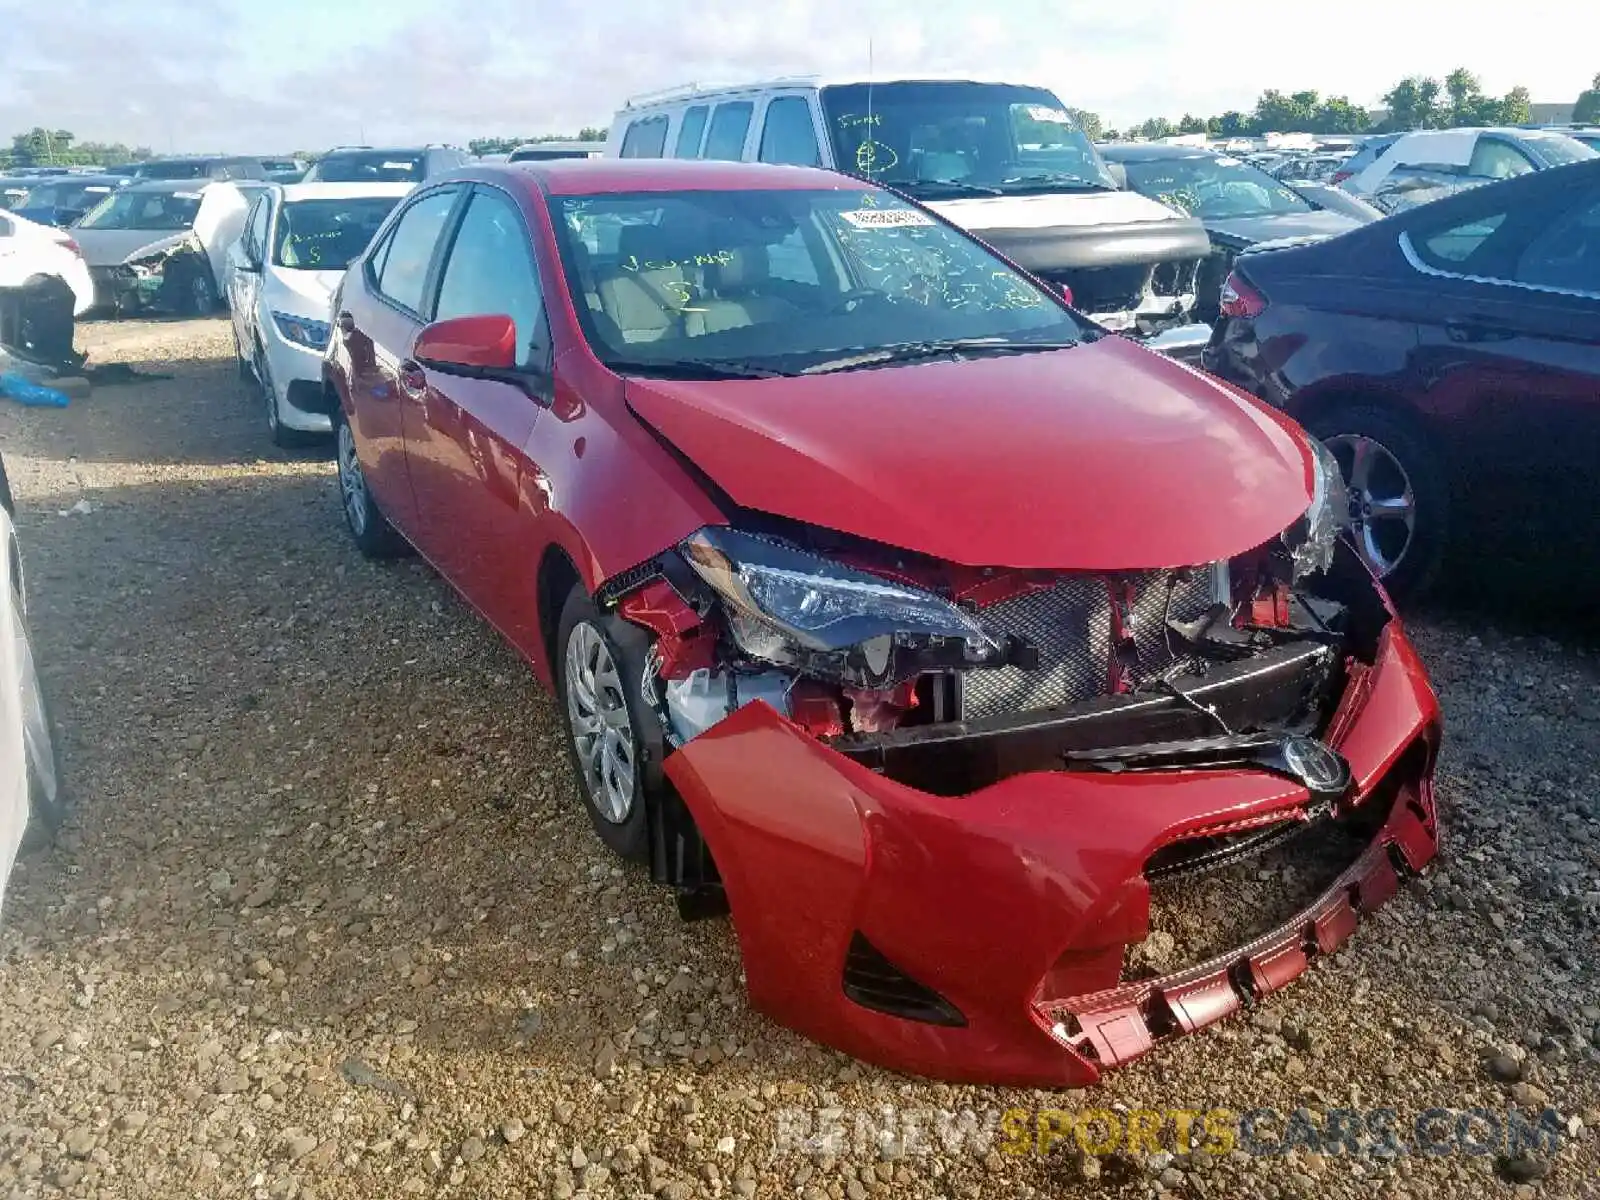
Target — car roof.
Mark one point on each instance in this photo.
(1150, 151)
(181, 185)
(341, 191)
(579, 176)
(692, 92)
(559, 144)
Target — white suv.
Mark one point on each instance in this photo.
(1005, 161)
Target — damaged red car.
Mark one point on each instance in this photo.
(1012, 686)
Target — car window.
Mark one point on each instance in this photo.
(1451, 248)
(787, 135)
(1494, 159)
(729, 124)
(370, 166)
(490, 270)
(327, 235)
(255, 236)
(646, 138)
(790, 259)
(690, 131)
(1567, 253)
(403, 277)
(153, 211)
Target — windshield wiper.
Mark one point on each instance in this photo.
(942, 187)
(693, 368)
(912, 351)
(1053, 181)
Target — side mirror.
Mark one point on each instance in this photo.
(483, 346)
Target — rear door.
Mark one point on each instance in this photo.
(378, 324)
(465, 437)
(1513, 355)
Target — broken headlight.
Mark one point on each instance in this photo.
(1312, 539)
(793, 609)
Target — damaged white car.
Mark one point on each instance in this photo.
(44, 286)
(162, 244)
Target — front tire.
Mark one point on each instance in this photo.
(370, 529)
(198, 297)
(47, 807)
(1399, 500)
(614, 739)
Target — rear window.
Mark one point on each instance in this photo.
(646, 138)
(370, 166)
(729, 125)
(174, 170)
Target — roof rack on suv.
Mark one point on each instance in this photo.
(686, 90)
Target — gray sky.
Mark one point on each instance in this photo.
(241, 75)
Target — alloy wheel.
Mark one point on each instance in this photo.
(352, 484)
(269, 393)
(1383, 504)
(602, 730)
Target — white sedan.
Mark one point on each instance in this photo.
(30, 793)
(282, 272)
(44, 284)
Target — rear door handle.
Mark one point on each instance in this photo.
(412, 380)
(347, 324)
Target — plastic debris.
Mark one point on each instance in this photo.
(36, 395)
(81, 508)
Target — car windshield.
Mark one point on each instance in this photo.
(66, 195)
(326, 235)
(1212, 186)
(181, 169)
(944, 139)
(1557, 149)
(144, 210)
(781, 281)
(369, 166)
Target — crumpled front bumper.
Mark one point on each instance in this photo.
(1015, 902)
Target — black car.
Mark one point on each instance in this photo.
(1239, 205)
(61, 200)
(1450, 357)
(368, 164)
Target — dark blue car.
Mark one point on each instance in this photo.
(61, 199)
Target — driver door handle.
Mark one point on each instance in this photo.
(413, 382)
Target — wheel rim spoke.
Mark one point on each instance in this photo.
(602, 731)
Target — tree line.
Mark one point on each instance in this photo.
(1416, 102)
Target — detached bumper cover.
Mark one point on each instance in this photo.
(1015, 903)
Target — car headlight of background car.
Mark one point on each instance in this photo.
(794, 609)
(1313, 538)
(302, 331)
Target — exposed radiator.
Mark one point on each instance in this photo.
(1070, 624)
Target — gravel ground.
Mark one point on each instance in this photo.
(329, 922)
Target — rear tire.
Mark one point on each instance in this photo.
(1397, 467)
(613, 738)
(373, 534)
(198, 294)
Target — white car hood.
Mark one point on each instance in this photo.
(112, 247)
(1052, 210)
(302, 293)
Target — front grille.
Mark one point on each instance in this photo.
(1175, 278)
(1105, 289)
(1070, 626)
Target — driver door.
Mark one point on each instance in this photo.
(247, 259)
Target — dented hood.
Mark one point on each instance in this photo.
(1100, 457)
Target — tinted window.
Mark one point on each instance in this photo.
(729, 124)
(1494, 159)
(1450, 248)
(370, 166)
(181, 169)
(490, 270)
(694, 124)
(404, 274)
(1567, 254)
(646, 138)
(788, 135)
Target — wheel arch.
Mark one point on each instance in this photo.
(557, 576)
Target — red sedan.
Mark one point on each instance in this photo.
(939, 635)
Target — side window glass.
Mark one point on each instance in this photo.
(1494, 159)
(729, 124)
(1566, 254)
(259, 220)
(491, 270)
(645, 138)
(787, 135)
(403, 275)
(1453, 248)
(690, 131)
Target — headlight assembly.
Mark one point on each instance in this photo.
(794, 609)
(1313, 538)
(302, 331)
